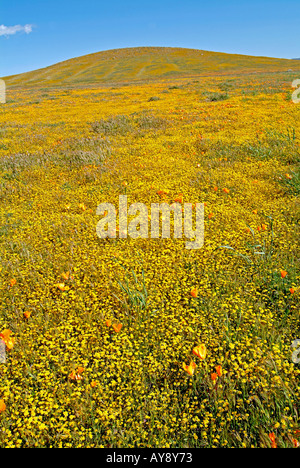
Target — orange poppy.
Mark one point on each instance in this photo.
(2, 406)
(179, 199)
(295, 443)
(94, 384)
(117, 327)
(191, 368)
(76, 375)
(219, 371)
(194, 292)
(10, 343)
(8, 340)
(108, 323)
(200, 351)
(61, 286)
(66, 276)
(210, 215)
(273, 439)
(5, 335)
(13, 282)
(215, 189)
(292, 291)
(162, 193)
(27, 314)
(226, 190)
(214, 376)
(283, 273)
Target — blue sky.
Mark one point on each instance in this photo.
(36, 33)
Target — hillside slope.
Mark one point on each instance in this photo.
(148, 63)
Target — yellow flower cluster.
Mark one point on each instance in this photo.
(99, 331)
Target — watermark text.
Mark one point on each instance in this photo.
(2, 92)
(296, 93)
(138, 227)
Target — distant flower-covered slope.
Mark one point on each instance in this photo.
(148, 63)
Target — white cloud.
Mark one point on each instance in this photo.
(10, 30)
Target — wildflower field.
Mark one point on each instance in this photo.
(140, 342)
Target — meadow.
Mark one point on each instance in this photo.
(140, 342)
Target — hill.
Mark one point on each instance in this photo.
(148, 63)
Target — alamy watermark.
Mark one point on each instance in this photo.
(296, 353)
(2, 92)
(138, 227)
(296, 93)
(2, 352)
